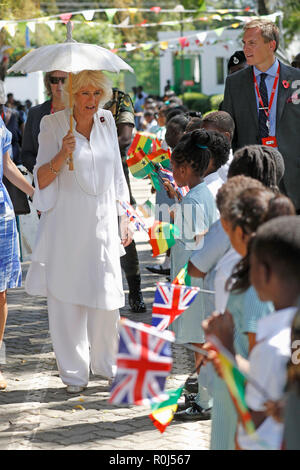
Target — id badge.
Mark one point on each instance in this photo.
(270, 141)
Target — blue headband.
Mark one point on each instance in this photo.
(201, 146)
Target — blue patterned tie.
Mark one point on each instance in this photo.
(262, 118)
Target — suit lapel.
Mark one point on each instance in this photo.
(283, 92)
(250, 95)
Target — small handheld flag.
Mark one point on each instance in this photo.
(140, 141)
(143, 363)
(161, 156)
(167, 174)
(169, 302)
(183, 278)
(133, 216)
(162, 413)
(138, 165)
(147, 209)
(162, 236)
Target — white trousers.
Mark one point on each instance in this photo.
(83, 338)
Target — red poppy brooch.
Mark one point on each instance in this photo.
(286, 83)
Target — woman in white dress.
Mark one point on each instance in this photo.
(76, 260)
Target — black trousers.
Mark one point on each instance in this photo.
(130, 261)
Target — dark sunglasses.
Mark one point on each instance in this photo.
(56, 80)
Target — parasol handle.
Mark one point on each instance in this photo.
(70, 159)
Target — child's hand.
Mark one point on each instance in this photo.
(212, 357)
(275, 409)
(220, 325)
(126, 233)
(169, 188)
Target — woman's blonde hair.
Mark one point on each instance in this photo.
(94, 78)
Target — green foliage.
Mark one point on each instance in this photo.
(216, 100)
(18, 9)
(196, 101)
(200, 102)
(146, 68)
(291, 19)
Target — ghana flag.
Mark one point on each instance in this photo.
(163, 412)
(138, 165)
(183, 278)
(162, 236)
(235, 382)
(161, 156)
(147, 209)
(140, 141)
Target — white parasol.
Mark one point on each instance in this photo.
(72, 57)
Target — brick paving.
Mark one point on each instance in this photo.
(36, 413)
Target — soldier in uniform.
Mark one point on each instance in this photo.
(122, 109)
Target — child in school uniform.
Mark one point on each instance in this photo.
(275, 274)
(193, 215)
(175, 128)
(242, 214)
(216, 258)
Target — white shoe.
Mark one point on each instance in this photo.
(75, 388)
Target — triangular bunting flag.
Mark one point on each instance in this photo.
(31, 25)
(155, 9)
(51, 25)
(65, 17)
(110, 13)
(88, 14)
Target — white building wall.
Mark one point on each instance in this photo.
(208, 51)
(29, 87)
(166, 70)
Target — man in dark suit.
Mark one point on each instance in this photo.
(264, 101)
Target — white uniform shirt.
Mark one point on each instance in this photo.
(268, 361)
(214, 182)
(223, 271)
(77, 251)
(224, 168)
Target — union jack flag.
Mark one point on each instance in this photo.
(169, 302)
(165, 173)
(143, 363)
(133, 216)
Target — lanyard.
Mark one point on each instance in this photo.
(272, 92)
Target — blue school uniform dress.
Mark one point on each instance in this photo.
(193, 216)
(10, 268)
(247, 310)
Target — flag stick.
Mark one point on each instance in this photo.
(156, 168)
(232, 359)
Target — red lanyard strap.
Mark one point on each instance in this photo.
(272, 92)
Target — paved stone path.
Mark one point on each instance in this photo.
(36, 413)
